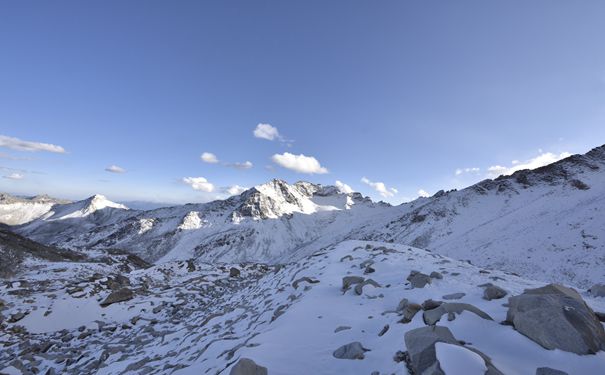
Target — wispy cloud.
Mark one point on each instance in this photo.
(544, 158)
(21, 145)
(199, 183)
(115, 169)
(460, 171)
(235, 190)
(245, 165)
(342, 187)
(423, 193)
(209, 157)
(14, 176)
(299, 163)
(380, 187)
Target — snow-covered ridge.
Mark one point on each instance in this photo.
(82, 209)
(18, 210)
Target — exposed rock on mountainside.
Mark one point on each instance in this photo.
(17, 210)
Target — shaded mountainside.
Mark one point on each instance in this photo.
(543, 223)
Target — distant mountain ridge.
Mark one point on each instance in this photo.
(544, 223)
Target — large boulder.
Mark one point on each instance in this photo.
(247, 366)
(557, 317)
(120, 295)
(418, 279)
(549, 371)
(352, 350)
(348, 281)
(422, 353)
(493, 292)
(431, 317)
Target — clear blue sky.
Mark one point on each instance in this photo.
(399, 92)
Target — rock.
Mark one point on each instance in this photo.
(431, 317)
(600, 316)
(549, 371)
(303, 279)
(341, 328)
(557, 317)
(121, 295)
(454, 296)
(408, 310)
(247, 366)
(418, 279)
(234, 272)
(436, 275)
(353, 350)
(597, 290)
(359, 287)
(493, 292)
(368, 270)
(430, 304)
(17, 316)
(347, 281)
(383, 330)
(422, 354)
(117, 282)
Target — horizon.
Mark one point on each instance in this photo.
(196, 102)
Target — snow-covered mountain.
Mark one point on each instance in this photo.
(543, 224)
(17, 210)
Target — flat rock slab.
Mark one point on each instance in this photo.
(120, 295)
(246, 366)
(352, 350)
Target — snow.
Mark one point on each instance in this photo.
(456, 360)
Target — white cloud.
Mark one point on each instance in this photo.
(460, 171)
(299, 163)
(342, 187)
(20, 145)
(209, 157)
(115, 169)
(199, 183)
(541, 160)
(422, 193)
(244, 165)
(235, 190)
(380, 187)
(266, 131)
(15, 176)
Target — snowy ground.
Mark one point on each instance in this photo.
(195, 318)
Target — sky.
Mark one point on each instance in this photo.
(192, 101)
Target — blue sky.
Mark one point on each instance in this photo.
(403, 93)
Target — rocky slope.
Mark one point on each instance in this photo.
(544, 224)
(354, 308)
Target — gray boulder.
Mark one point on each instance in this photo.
(247, 366)
(408, 310)
(454, 296)
(557, 317)
(549, 371)
(359, 287)
(347, 281)
(418, 279)
(436, 275)
(234, 272)
(422, 355)
(494, 292)
(431, 317)
(353, 350)
(120, 295)
(597, 290)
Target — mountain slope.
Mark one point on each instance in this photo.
(17, 211)
(543, 224)
(195, 318)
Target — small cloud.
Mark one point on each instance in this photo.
(199, 183)
(244, 165)
(460, 171)
(235, 190)
(422, 193)
(541, 160)
(299, 163)
(380, 187)
(266, 131)
(208, 157)
(14, 176)
(21, 145)
(115, 169)
(342, 187)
